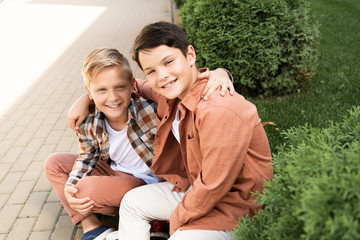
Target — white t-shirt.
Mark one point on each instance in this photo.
(124, 157)
(175, 126)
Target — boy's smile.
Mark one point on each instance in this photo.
(168, 71)
(111, 93)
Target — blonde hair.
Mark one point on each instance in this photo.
(104, 58)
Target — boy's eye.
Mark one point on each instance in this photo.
(168, 62)
(101, 90)
(120, 87)
(150, 72)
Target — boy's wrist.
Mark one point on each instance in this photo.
(229, 74)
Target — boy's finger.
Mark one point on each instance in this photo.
(231, 90)
(208, 93)
(69, 192)
(72, 189)
(77, 126)
(86, 210)
(204, 92)
(85, 207)
(203, 75)
(80, 201)
(81, 208)
(86, 204)
(84, 201)
(79, 121)
(71, 123)
(223, 90)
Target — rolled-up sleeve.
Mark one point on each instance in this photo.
(88, 157)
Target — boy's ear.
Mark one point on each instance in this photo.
(89, 93)
(133, 84)
(191, 55)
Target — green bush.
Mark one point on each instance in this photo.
(268, 45)
(315, 191)
(179, 3)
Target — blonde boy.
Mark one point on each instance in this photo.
(116, 145)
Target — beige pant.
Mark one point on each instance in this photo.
(156, 202)
(104, 186)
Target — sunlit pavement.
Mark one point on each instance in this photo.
(42, 46)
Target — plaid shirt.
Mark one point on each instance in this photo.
(94, 143)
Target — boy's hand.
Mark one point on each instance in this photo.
(81, 205)
(217, 78)
(171, 231)
(78, 112)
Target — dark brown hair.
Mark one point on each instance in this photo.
(159, 33)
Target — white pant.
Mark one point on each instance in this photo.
(156, 201)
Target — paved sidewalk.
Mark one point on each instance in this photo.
(42, 46)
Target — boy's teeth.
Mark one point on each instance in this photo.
(113, 106)
(169, 84)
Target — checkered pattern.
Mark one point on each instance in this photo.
(94, 143)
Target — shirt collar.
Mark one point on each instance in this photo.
(193, 96)
(99, 122)
(133, 110)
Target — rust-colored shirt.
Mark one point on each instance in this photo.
(224, 154)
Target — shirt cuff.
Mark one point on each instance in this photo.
(174, 220)
(72, 181)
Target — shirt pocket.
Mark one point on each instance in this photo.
(193, 155)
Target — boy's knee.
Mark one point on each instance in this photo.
(86, 187)
(129, 199)
(51, 163)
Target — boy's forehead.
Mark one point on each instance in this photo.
(158, 54)
(156, 50)
(114, 73)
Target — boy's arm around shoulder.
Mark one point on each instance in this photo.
(78, 111)
(142, 88)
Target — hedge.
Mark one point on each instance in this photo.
(270, 46)
(315, 191)
(179, 3)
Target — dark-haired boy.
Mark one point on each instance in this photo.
(223, 154)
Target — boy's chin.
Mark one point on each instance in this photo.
(171, 97)
(168, 95)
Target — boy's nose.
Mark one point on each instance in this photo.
(163, 74)
(112, 95)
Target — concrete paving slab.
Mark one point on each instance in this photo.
(43, 44)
